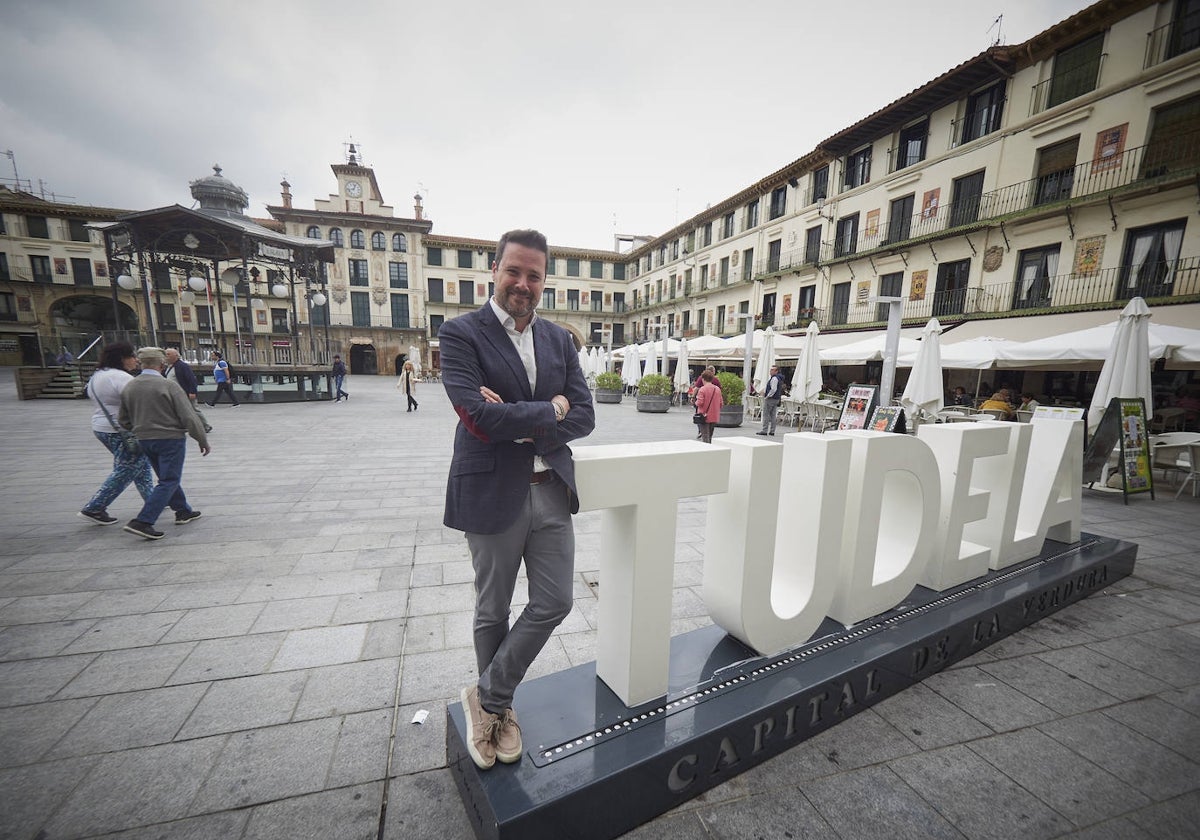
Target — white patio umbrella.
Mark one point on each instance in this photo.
(766, 360)
(585, 363)
(651, 365)
(806, 379)
(631, 368)
(414, 356)
(1126, 371)
(681, 368)
(924, 395)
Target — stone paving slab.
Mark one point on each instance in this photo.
(255, 674)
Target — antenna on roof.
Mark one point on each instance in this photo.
(998, 25)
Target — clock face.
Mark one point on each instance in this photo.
(353, 189)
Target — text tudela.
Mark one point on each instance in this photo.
(843, 525)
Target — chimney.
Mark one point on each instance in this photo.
(417, 212)
(287, 193)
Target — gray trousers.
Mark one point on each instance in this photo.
(770, 408)
(544, 536)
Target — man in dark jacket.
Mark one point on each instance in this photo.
(339, 376)
(177, 370)
(515, 382)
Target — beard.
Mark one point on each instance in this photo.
(516, 304)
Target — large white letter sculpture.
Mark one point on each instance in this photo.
(638, 486)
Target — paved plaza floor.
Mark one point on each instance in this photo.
(255, 673)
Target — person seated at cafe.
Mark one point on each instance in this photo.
(997, 402)
(961, 397)
(1028, 402)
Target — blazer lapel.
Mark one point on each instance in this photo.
(495, 334)
(548, 362)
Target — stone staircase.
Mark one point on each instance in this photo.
(67, 383)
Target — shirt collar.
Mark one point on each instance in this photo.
(507, 321)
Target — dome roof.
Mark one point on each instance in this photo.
(218, 195)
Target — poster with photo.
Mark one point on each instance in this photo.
(887, 418)
(860, 400)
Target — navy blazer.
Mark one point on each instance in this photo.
(489, 473)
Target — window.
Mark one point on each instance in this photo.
(900, 216)
(4, 275)
(890, 285)
(160, 275)
(778, 201)
(3, 228)
(700, 322)
(77, 231)
(858, 168)
(1185, 28)
(662, 254)
(551, 268)
(357, 239)
(37, 227)
(820, 185)
(1056, 171)
(40, 266)
(846, 241)
(618, 336)
(983, 111)
(399, 243)
(465, 260)
(723, 278)
(466, 292)
(950, 294)
(720, 324)
(335, 236)
(1035, 268)
(398, 275)
(204, 319)
(433, 256)
(675, 249)
(165, 313)
(1173, 134)
(618, 271)
(8, 305)
(547, 298)
(840, 308)
(618, 302)
(752, 215)
(491, 260)
(911, 148)
(1151, 260)
(318, 316)
(81, 270)
(706, 235)
(687, 322)
(573, 300)
(360, 309)
(727, 226)
(435, 324)
(596, 300)
(748, 264)
(1076, 70)
(965, 199)
(597, 270)
(313, 232)
(812, 245)
(358, 273)
(690, 243)
(400, 312)
(279, 319)
(436, 294)
(572, 267)
(806, 301)
(774, 254)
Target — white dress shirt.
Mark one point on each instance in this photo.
(522, 340)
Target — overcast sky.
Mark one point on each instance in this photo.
(580, 119)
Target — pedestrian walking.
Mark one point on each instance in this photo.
(177, 370)
(159, 414)
(115, 371)
(407, 382)
(339, 376)
(223, 374)
(708, 403)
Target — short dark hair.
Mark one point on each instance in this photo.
(217, 353)
(527, 237)
(114, 355)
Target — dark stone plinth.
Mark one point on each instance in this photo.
(594, 768)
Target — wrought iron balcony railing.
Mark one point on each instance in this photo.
(1172, 39)
(1065, 86)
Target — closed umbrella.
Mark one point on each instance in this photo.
(924, 393)
(585, 363)
(414, 356)
(1126, 371)
(651, 365)
(681, 368)
(766, 360)
(806, 379)
(631, 367)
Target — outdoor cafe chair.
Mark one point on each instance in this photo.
(1193, 454)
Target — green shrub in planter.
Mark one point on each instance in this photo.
(608, 382)
(654, 384)
(732, 387)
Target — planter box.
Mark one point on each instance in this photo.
(603, 396)
(731, 416)
(654, 403)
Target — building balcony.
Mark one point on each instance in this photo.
(1172, 39)
(1063, 87)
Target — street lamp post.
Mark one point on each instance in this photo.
(748, 319)
(887, 381)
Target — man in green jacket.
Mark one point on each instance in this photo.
(160, 415)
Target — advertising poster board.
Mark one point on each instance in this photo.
(888, 418)
(1135, 448)
(860, 399)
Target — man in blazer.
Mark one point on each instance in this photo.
(515, 382)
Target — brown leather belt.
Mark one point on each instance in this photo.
(541, 477)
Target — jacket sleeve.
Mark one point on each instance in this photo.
(581, 419)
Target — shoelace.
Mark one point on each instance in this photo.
(492, 730)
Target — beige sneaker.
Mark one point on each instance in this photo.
(508, 739)
(482, 729)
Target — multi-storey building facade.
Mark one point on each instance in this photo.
(1055, 175)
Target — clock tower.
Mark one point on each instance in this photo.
(358, 192)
